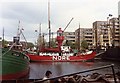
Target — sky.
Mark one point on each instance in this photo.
(31, 13)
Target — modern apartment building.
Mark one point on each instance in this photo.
(69, 36)
(114, 31)
(84, 34)
(119, 8)
(106, 33)
(119, 19)
(100, 33)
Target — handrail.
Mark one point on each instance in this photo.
(88, 70)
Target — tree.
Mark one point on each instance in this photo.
(30, 45)
(4, 43)
(53, 43)
(84, 45)
(73, 46)
(77, 45)
(69, 43)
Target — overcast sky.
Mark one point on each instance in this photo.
(33, 12)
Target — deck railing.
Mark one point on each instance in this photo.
(88, 70)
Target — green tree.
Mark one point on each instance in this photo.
(53, 44)
(4, 43)
(84, 45)
(30, 45)
(73, 46)
(69, 43)
(76, 45)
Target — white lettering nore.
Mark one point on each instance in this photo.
(60, 58)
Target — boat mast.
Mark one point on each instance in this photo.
(79, 38)
(49, 22)
(40, 40)
(3, 38)
(18, 33)
(40, 30)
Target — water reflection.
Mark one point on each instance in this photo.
(37, 70)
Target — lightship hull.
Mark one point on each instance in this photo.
(63, 58)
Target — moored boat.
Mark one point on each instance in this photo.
(61, 53)
(14, 65)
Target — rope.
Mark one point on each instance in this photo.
(9, 48)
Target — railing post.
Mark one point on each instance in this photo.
(112, 66)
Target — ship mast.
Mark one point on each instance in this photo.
(40, 44)
(3, 38)
(20, 32)
(79, 38)
(49, 22)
